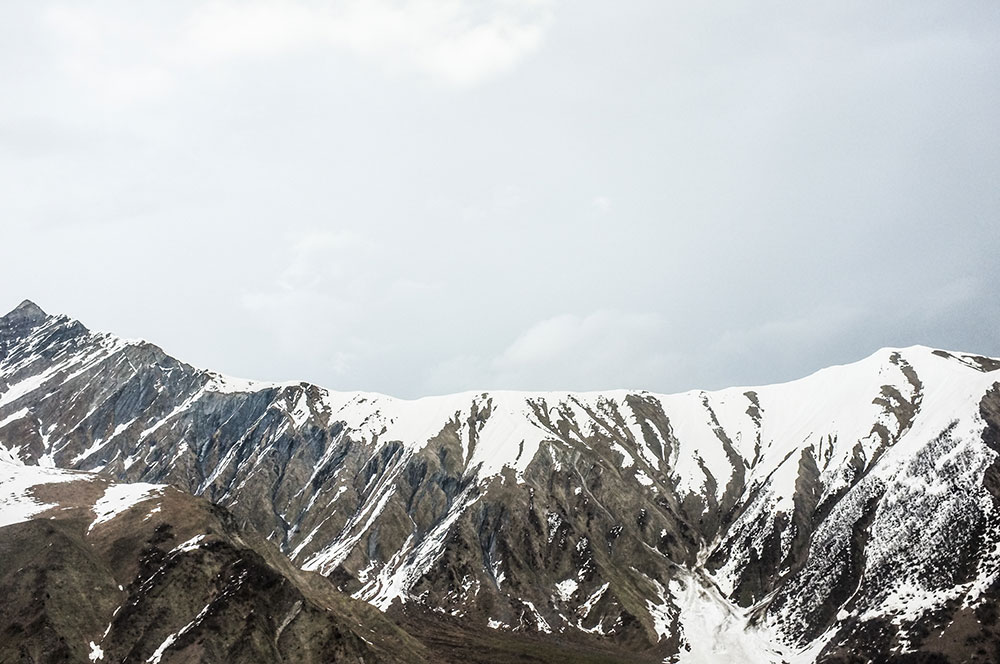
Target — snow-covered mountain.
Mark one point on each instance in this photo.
(850, 514)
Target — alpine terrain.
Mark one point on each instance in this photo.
(153, 511)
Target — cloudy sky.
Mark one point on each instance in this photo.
(425, 196)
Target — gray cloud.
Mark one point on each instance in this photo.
(419, 197)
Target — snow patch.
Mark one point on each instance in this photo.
(189, 545)
(566, 588)
(16, 485)
(119, 498)
(715, 630)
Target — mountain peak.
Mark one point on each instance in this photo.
(20, 320)
(27, 311)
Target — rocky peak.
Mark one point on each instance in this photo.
(26, 312)
(19, 322)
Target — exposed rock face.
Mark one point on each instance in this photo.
(96, 571)
(786, 522)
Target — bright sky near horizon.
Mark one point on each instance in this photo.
(427, 196)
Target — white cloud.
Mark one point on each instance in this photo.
(335, 300)
(945, 298)
(321, 277)
(117, 57)
(603, 349)
(455, 41)
(319, 258)
(803, 331)
(601, 203)
(609, 349)
(563, 337)
(126, 56)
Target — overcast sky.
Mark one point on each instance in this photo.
(427, 196)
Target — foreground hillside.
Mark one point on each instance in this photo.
(850, 514)
(92, 570)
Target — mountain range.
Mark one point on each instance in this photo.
(155, 511)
